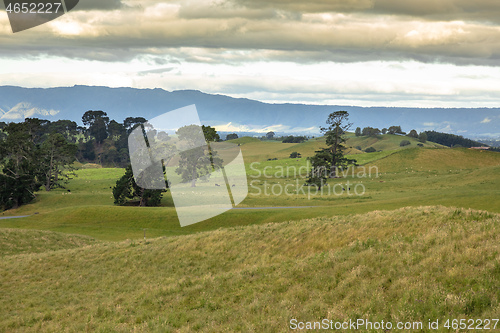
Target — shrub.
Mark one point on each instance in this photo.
(358, 148)
(420, 144)
(404, 143)
(370, 150)
(295, 155)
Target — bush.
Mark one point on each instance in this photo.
(272, 159)
(295, 155)
(404, 143)
(294, 139)
(358, 148)
(420, 144)
(370, 150)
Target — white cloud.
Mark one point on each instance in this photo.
(230, 127)
(486, 120)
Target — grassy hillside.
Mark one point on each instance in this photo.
(411, 177)
(408, 265)
(18, 241)
(386, 142)
(255, 150)
(437, 159)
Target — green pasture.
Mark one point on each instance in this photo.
(387, 180)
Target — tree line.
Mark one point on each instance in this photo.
(395, 130)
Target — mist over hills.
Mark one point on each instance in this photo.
(239, 115)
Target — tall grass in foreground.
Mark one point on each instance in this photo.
(412, 264)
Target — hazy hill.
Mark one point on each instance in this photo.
(233, 114)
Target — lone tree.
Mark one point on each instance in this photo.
(270, 135)
(328, 161)
(413, 134)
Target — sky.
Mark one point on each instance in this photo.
(415, 53)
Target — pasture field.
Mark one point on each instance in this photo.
(394, 179)
(421, 243)
(409, 265)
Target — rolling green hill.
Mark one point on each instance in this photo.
(255, 150)
(437, 159)
(427, 263)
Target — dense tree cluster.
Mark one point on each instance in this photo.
(294, 139)
(232, 136)
(34, 153)
(451, 140)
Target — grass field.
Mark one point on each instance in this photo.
(407, 265)
(399, 178)
(421, 242)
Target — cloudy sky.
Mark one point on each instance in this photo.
(347, 52)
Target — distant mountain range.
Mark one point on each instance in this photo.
(238, 115)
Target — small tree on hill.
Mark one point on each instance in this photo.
(295, 155)
(395, 130)
(422, 137)
(327, 161)
(358, 131)
(404, 143)
(413, 134)
(270, 135)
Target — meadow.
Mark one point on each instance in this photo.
(421, 243)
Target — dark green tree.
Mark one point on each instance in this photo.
(200, 160)
(413, 134)
(395, 130)
(232, 136)
(97, 124)
(328, 161)
(370, 131)
(57, 157)
(126, 190)
(19, 158)
(422, 137)
(210, 134)
(270, 135)
(358, 131)
(130, 123)
(404, 143)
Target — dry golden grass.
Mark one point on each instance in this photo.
(412, 264)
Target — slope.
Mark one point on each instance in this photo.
(17, 241)
(437, 159)
(408, 265)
